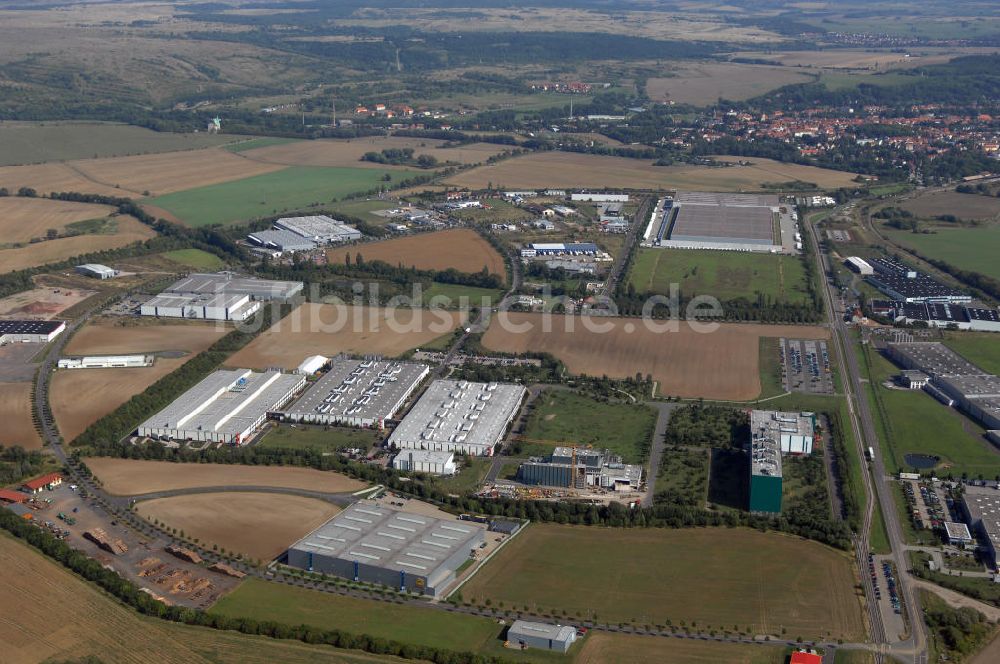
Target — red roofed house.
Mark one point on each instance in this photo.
(805, 658)
(8, 496)
(43, 482)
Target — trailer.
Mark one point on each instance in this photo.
(871, 453)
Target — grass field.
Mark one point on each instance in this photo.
(587, 571)
(963, 206)
(980, 348)
(22, 219)
(128, 477)
(965, 248)
(461, 248)
(602, 648)
(195, 258)
(127, 231)
(706, 83)
(326, 439)
(297, 606)
(254, 524)
(31, 143)
(327, 329)
(726, 275)
(288, 189)
(566, 169)
(568, 417)
(453, 294)
(348, 153)
(15, 413)
(721, 364)
(48, 614)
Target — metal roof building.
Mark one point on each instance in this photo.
(321, 229)
(105, 362)
(221, 306)
(982, 509)
(542, 635)
(228, 406)
(765, 473)
(360, 393)
(793, 431)
(459, 416)
(372, 543)
(96, 271)
(281, 240)
(425, 461)
(30, 331)
(229, 284)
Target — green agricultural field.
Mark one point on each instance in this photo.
(966, 248)
(649, 576)
(980, 348)
(326, 439)
(254, 143)
(726, 275)
(287, 190)
(453, 294)
(364, 209)
(195, 258)
(562, 416)
(912, 421)
(297, 606)
(34, 143)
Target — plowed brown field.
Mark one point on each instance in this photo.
(461, 248)
(723, 364)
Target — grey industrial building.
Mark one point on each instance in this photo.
(981, 506)
(321, 229)
(459, 416)
(96, 271)
(372, 543)
(228, 406)
(792, 431)
(765, 473)
(208, 307)
(30, 331)
(701, 220)
(541, 635)
(959, 316)
(281, 241)
(905, 284)
(425, 461)
(360, 393)
(229, 284)
(594, 468)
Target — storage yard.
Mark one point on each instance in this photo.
(129, 477)
(327, 329)
(551, 567)
(462, 249)
(724, 364)
(258, 525)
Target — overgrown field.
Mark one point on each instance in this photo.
(287, 189)
(964, 206)
(964, 247)
(603, 647)
(651, 576)
(324, 438)
(726, 275)
(461, 248)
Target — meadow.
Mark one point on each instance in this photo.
(964, 247)
(650, 576)
(288, 189)
(980, 348)
(194, 258)
(726, 275)
(326, 439)
(603, 647)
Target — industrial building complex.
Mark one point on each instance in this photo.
(106, 362)
(982, 509)
(773, 433)
(581, 469)
(459, 416)
(372, 543)
(97, 271)
(221, 296)
(905, 284)
(292, 234)
(228, 406)
(939, 314)
(793, 431)
(361, 393)
(952, 379)
(541, 635)
(425, 461)
(700, 220)
(30, 331)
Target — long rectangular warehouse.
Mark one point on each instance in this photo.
(372, 543)
(230, 284)
(359, 393)
(228, 406)
(459, 416)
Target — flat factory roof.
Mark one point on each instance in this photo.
(379, 536)
(225, 282)
(935, 358)
(369, 389)
(29, 326)
(983, 504)
(319, 227)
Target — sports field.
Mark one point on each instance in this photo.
(49, 614)
(726, 275)
(328, 329)
(258, 525)
(461, 248)
(287, 189)
(127, 477)
(15, 413)
(721, 364)
(566, 169)
(31, 143)
(964, 247)
(705, 82)
(348, 153)
(127, 230)
(602, 647)
(764, 582)
(22, 219)
(567, 417)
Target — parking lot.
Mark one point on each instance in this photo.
(927, 504)
(805, 366)
(883, 577)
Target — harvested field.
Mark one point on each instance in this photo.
(22, 219)
(331, 152)
(603, 647)
(963, 206)
(48, 613)
(47, 178)
(53, 251)
(782, 582)
(103, 337)
(856, 59)
(328, 329)
(462, 249)
(15, 413)
(126, 477)
(44, 302)
(171, 171)
(258, 525)
(706, 83)
(723, 364)
(565, 169)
